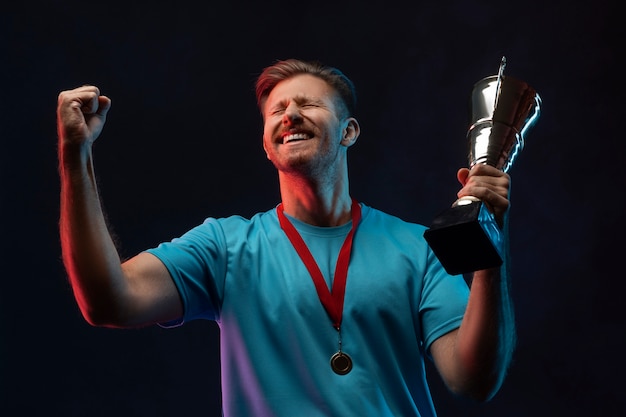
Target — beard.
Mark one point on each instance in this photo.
(317, 164)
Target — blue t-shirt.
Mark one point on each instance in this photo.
(277, 339)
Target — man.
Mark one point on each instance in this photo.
(326, 306)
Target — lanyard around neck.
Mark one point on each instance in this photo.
(332, 302)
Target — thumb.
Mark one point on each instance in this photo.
(104, 104)
(462, 175)
(96, 120)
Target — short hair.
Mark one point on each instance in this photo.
(285, 69)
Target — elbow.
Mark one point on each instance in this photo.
(100, 314)
(480, 390)
(481, 378)
(482, 394)
(97, 318)
(99, 305)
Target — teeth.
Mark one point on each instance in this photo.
(295, 136)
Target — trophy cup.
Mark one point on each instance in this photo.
(466, 237)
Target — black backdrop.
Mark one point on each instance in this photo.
(183, 141)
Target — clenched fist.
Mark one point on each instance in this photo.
(488, 184)
(81, 114)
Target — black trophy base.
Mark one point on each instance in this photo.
(465, 238)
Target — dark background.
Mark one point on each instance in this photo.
(183, 142)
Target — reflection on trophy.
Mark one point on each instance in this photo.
(466, 237)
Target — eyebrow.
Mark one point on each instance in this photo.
(300, 98)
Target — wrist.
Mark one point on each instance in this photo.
(73, 154)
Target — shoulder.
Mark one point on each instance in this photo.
(219, 230)
(236, 229)
(263, 219)
(376, 218)
(384, 229)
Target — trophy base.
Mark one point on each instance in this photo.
(466, 238)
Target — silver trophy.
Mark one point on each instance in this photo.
(466, 237)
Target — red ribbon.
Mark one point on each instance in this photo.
(332, 302)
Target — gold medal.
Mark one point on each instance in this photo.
(341, 363)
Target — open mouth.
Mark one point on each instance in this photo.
(294, 137)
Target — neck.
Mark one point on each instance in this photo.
(317, 204)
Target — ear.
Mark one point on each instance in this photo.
(267, 155)
(351, 132)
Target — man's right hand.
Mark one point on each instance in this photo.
(81, 114)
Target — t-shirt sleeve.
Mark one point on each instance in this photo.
(443, 301)
(197, 263)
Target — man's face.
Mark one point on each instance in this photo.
(302, 131)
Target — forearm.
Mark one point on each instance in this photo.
(89, 254)
(486, 338)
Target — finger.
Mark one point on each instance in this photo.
(84, 98)
(89, 101)
(488, 175)
(484, 169)
(481, 188)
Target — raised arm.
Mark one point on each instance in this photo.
(109, 293)
(473, 360)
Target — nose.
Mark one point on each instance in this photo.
(292, 114)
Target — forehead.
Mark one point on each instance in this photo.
(302, 86)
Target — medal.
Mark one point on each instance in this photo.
(340, 362)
